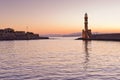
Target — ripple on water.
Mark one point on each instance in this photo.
(59, 60)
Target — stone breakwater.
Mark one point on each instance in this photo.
(111, 37)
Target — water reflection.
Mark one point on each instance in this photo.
(87, 48)
(7, 46)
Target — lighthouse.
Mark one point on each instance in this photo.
(86, 33)
(86, 22)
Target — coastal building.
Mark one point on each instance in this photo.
(11, 34)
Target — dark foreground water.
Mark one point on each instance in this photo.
(60, 59)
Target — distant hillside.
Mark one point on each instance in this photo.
(63, 35)
(52, 35)
(77, 34)
(72, 35)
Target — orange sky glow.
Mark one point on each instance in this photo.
(60, 16)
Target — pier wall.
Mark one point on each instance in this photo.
(115, 36)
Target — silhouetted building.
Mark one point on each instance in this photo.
(11, 34)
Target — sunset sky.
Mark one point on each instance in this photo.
(60, 16)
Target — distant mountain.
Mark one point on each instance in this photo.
(52, 35)
(63, 35)
(72, 35)
(77, 34)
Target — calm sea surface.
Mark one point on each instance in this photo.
(59, 59)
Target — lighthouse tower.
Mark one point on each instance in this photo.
(86, 22)
(86, 33)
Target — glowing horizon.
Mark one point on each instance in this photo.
(60, 16)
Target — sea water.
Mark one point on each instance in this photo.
(59, 59)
